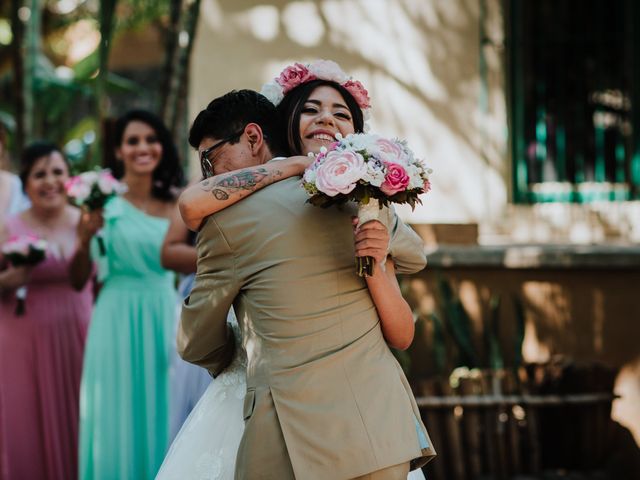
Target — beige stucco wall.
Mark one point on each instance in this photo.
(419, 59)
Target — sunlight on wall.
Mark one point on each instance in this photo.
(533, 350)
(264, 22)
(83, 38)
(303, 23)
(418, 59)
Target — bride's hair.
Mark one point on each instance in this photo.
(291, 106)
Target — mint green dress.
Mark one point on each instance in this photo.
(124, 394)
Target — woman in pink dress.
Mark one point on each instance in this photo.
(41, 350)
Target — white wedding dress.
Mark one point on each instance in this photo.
(206, 446)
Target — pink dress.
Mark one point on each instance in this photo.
(40, 369)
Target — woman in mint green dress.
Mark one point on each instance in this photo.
(124, 392)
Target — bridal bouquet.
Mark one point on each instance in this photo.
(21, 251)
(91, 190)
(370, 170)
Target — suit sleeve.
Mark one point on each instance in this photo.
(405, 245)
(204, 338)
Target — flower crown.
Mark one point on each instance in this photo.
(299, 73)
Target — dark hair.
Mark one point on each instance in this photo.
(34, 152)
(230, 113)
(290, 109)
(168, 175)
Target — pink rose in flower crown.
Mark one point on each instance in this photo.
(339, 172)
(395, 180)
(293, 76)
(357, 90)
(427, 186)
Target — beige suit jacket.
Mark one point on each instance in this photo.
(325, 396)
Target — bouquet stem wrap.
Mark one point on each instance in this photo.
(367, 212)
(21, 296)
(102, 249)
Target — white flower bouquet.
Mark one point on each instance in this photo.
(24, 251)
(370, 170)
(91, 190)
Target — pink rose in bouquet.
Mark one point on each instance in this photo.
(396, 179)
(389, 148)
(340, 172)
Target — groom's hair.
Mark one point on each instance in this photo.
(227, 115)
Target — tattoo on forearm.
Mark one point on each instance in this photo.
(247, 180)
(220, 194)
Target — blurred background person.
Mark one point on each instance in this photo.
(124, 427)
(188, 382)
(41, 350)
(12, 197)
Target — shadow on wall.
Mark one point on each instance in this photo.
(418, 59)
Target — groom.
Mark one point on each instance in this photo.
(325, 396)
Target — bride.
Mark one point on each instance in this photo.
(326, 101)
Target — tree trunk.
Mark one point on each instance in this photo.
(17, 58)
(107, 15)
(171, 47)
(179, 84)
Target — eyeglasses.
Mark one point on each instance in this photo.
(206, 165)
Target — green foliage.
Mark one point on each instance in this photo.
(458, 325)
(519, 335)
(452, 326)
(439, 343)
(364, 192)
(491, 333)
(64, 101)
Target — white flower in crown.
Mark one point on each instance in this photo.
(328, 70)
(273, 91)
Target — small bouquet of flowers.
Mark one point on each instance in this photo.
(370, 170)
(23, 251)
(91, 190)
